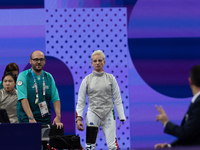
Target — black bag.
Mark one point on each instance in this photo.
(65, 142)
(55, 131)
(51, 130)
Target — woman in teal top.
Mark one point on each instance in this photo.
(13, 67)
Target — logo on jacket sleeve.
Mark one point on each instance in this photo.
(19, 83)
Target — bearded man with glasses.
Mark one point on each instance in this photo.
(35, 89)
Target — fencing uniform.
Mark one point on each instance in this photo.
(101, 89)
(8, 101)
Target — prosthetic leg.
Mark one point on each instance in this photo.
(91, 136)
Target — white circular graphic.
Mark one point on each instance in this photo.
(19, 83)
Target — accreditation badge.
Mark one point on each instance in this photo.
(43, 108)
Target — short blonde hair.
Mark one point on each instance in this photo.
(98, 52)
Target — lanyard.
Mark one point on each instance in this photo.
(36, 88)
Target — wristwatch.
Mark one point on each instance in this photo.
(78, 120)
(31, 117)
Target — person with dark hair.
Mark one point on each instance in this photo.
(189, 131)
(13, 67)
(102, 90)
(8, 96)
(36, 88)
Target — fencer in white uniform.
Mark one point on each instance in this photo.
(102, 90)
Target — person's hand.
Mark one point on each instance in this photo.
(160, 145)
(32, 120)
(80, 125)
(162, 115)
(57, 122)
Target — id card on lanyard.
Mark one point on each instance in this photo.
(43, 106)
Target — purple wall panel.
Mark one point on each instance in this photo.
(25, 30)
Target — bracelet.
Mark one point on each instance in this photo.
(78, 120)
(31, 117)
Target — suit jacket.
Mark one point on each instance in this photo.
(189, 131)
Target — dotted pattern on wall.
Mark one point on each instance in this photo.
(73, 34)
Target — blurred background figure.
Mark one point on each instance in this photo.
(8, 96)
(13, 67)
(189, 132)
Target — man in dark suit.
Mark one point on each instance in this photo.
(189, 131)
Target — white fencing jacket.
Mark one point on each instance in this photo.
(102, 90)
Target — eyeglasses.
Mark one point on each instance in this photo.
(36, 60)
(95, 61)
